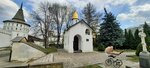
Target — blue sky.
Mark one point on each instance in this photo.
(129, 13)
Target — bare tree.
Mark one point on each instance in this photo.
(69, 18)
(91, 16)
(59, 14)
(44, 24)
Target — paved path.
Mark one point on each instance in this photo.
(83, 59)
(74, 59)
(71, 59)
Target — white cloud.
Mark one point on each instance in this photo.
(7, 10)
(122, 2)
(137, 15)
(136, 9)
(35, 4)
(79, 4)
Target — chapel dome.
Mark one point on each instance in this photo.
(75, 15)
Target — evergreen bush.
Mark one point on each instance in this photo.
(139, 49)
(101, 47)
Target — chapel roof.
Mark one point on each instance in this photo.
(19, 17)
(81, 21)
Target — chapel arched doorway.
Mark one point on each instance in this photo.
(77, 43)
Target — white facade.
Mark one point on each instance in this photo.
(11, 30)
(5, 37)
(16, 29)
(24, 52)
(76, 38)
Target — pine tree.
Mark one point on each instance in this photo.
(125, 44)
(137, 38)
(131, 41)
(146, 29)
(110, 31)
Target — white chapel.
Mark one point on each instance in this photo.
(78, 37)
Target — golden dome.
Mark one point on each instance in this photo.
(75, 15)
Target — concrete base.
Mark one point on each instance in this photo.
(144, 59)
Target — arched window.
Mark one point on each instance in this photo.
(87, 32)
(17, 34)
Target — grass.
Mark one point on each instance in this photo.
(45, 50)
(50, 50)
(92, 66)
(133, 58)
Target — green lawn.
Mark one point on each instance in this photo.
(133, 58)
(50, 50)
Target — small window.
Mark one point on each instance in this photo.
(17, 24)
(20, 25)
(87, 32)
(17, 34)
(16, 28)
(87, 40)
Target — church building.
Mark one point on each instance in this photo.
(78, 37)
(14, 28)
(15, 35)
(17, 25)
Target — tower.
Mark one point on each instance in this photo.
(17, 25)
(75, 17)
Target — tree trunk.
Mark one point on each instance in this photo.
(58, 39)
(45, 42)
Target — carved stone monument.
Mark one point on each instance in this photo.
(142, 35)
(144, 57)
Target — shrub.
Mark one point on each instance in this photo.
(139, 49)
(101, 47)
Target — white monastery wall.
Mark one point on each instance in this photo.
(24, 52)
(17, 29)
(5, 38)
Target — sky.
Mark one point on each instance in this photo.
(129, 13)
